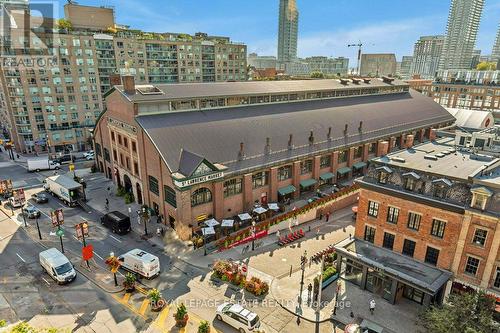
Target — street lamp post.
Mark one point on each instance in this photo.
(24, 215)
(320, 282)
(144, 220)
(303, 261)
(253, 235)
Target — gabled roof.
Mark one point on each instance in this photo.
(411, 174)
(189, 162)
(442, 180)
(216, 134)
(385, 169)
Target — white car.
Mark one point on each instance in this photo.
(87, 153)
(90, 156)
(238, 317)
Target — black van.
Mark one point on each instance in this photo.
(117, 222)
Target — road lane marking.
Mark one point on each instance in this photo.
(98, 256)
(47, 282)
(116, 239)
(144, 306)
(160, 320)
(20, 257)
(126, 297)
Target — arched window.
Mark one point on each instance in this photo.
(201, 196)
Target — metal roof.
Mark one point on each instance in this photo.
(214, 89)
(216, 134)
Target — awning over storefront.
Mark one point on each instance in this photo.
(307, 182)
(408, 270)
(287, 190)
(244, 216)
(326, 176)
(344, 171)
(359, 165)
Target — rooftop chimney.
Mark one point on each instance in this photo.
(329, 135)
(115, 80)
(311, 138)
(360, 128)
(128, 84)
(290, 142)
(268, 146)
(345, 129)
(241, 153)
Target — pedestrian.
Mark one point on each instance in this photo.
(138, 219)
(327, 216)
(158, 231)
(162, 232)
(107, 204)
(17, 156)
(321, 215)
(309, 291)
(372, 306)
(278, 234)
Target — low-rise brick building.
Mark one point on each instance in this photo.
(192, 151)
(435, 209)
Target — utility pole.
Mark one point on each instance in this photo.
(318, 304)
(359, 45)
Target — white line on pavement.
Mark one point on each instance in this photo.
(47, 282)
(98, 256)
(20, 257)
(76, 238)
(116, 239)
(60, 204)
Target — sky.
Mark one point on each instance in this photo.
(325, 26)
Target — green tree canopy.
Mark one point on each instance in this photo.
(317, 75)
(486, 65)
(466, 312)
(64, 24)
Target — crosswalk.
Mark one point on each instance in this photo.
(162, 321)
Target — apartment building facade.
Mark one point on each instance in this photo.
(54, 107)
(426, 55)
(330, 66)
(472, 89)
(434, 207)
(254, 142)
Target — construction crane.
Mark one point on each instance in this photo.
(359, 45)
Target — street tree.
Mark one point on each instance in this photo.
(464, 312)
(486, 66)
(317, 75)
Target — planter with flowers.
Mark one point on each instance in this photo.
(181, 316)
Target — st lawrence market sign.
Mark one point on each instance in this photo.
(198, 180)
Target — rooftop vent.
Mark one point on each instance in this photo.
(344, 81)
(446, 152)
(149, 90)
(387, 79)
(367, 80)
(430, 157)
(356, 81)
(440, 155)
(398, 159)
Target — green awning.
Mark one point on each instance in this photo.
(287, 190)
(327, 175)
(307, 182)
(344, 171)
(359, 165)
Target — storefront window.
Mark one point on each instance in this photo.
(353, 272)
(325, 161)
(260, 179)
(342, 156)
(306, 167)
(285, 172)
(232, 187)
(201, 196)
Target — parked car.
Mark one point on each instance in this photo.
(40, 197)
(87, 153)
(117, 222)
(57, 266)
(31, 212)
(64, 159)
(90, 156)
(238, 317)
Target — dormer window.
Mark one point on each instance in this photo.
(410, 180)
(410, 184)
(480, 197)
(440, 187)
(383, 174)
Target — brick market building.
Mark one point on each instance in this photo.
(429, 222)
(214, 150)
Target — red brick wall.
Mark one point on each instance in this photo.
(422, 237)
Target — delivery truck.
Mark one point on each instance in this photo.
(141, 262)
(65, 188)
(42, 164)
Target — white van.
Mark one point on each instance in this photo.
(238, 317)
(57, 266)
(141, 262)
